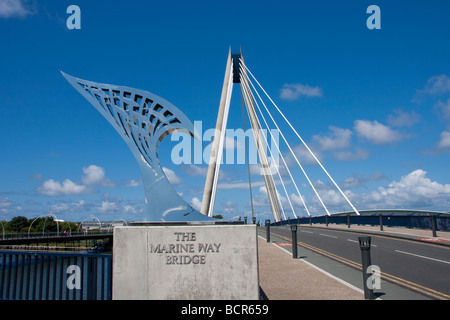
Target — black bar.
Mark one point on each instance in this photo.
(35, 277)
(82, 275)
(109, 278)
(27, 288)
(61, 278)
(102, 273)
(47, 282)
(65, 282)
(381, 222)
(55, 264)
(8, 287)
(41, 284)
(2, 273)
(22, 275)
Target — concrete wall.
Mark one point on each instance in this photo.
(185, 262)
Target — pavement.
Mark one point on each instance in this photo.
(314, 277)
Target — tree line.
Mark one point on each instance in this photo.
(40, 224)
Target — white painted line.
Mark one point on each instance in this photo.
(351, 240)
(417, 255)
(327, 235)
(306, 231)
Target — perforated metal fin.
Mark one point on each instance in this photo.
(143, 119)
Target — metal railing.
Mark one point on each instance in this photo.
(55, 276)
(440, 223)
(38, 235)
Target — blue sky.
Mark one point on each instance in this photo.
(374, 105)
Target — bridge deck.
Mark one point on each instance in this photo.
(54, 238)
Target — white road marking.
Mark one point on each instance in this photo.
(417, 255)
(327, 235)
(306, 231)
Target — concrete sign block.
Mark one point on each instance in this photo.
(188, 262)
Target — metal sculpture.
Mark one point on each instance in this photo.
(143, 119)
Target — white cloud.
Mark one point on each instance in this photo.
(239, 184)
(132, 183)
(445, 140)
(295, 90)
(413, 190)
(303, 156)
(59, 207)
(171, 176)
(229, 207)
(443, 109)
(55, 188)
(358, 180)
(403, 119)
(336, 143)
(193, 170)
(115, 206)
(15, 8)
(68, 207)
(435, 85)
(5, 204)
(130, 209)
(376, 132)
(95, 176)
(349, 155)
(108, 206)
(196, 203)
(338, 138)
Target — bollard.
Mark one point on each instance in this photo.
(254, 220)
(294, 241)
(268, 230)
(348, 221)
(433, 225)
(364, 244)
(326, 220)
(245, 220)
(381, 222)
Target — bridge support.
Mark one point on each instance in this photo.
(233, 74)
